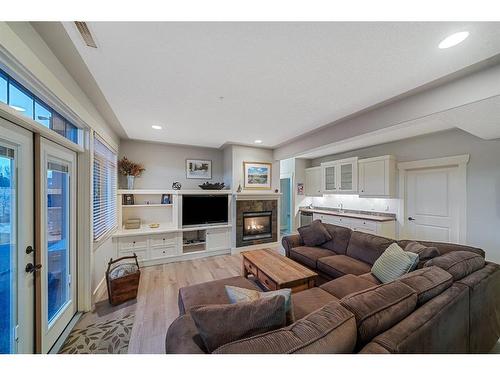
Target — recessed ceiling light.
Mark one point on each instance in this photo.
(258, 141)
(453, 39)
(20, 109)
(157, 127)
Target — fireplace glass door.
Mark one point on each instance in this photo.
(257, 225)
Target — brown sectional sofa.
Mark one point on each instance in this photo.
(451, 304)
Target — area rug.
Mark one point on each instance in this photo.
(108, 337)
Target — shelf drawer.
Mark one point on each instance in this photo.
(250, 267)
(366, 225)
(133, 242)
(163, 240)
(163, 252)
(141, 254)
(268, 283)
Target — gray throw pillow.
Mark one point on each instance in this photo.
(237, 295)
(393, 263)
(314, 234)
(222, 324)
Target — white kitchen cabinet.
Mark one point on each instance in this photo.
(377, 177)
(380, 228)
(313, 182)
(340, 176)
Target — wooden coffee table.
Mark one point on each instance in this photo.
(276, 271)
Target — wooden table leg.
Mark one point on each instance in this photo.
(244, 271)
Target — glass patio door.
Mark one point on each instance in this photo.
(16, 239)
(58, 241)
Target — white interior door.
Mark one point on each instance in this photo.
(58, 301)
(432, 207)
(16, 239)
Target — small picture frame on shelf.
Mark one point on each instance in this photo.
(165, 199)
(128, 199)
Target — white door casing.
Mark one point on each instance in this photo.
(21, 140)
(434, 193)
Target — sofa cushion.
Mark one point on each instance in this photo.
(427, 282)
(340, 265)
(425, 253)
(340, 238)
(345, 285)
(458, 263)
(237, 295)
(367, 247)
(370, 277)
(310, 300)
(393, 263)
(314, 234)
(212, 292)
(308, 256)
(329, 330)
(221, 324)
(379, 308)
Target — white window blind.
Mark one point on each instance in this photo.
(105, 180)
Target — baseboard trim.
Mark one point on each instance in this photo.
(237, 250)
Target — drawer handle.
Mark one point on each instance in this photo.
(163, 239)
(133, 242)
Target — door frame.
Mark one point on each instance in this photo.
(22, 139)
(40, 240)
(459, 162)
(291, 220)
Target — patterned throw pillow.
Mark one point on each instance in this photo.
(393, 263)
(237, 295)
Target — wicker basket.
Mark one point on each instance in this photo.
(122, 288)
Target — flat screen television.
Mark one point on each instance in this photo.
(204, 209)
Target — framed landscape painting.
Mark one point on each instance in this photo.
(257, 175)
(199, 169)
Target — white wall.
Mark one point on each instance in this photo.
(166, 164)
(483, 179)
(102, 255)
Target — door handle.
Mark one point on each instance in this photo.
(30, 267)
(411, 219)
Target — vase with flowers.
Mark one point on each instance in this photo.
(131, 170)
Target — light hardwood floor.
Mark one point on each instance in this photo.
(156, 304)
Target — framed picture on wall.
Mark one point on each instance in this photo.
(199, 169)
(300, 188)
(257, 175)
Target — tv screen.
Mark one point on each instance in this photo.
(204, 209)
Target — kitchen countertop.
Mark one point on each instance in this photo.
(353, 215)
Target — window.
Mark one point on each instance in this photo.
(26, 103)
(105, 177)
(43, 115)
(20, 100)
(3, 88)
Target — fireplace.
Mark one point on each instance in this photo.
(257, 225)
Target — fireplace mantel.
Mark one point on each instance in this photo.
(256, 195)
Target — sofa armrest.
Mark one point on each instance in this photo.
(291, 241)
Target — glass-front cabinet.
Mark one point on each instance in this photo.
(340, 176)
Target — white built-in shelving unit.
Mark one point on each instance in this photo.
(169, 241)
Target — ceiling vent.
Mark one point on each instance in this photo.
(85, 33)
